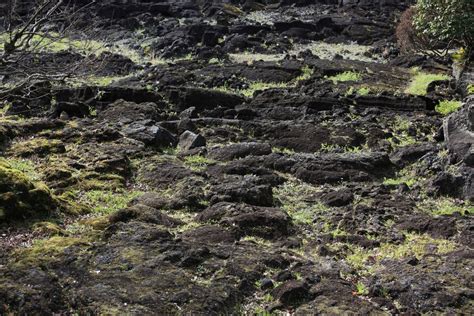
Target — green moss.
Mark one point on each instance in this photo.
(20, 197)
(259, 86)
(26, 166)
(420, 82)
(47, 250)
(398, 181)
(470, 89)
(345, 76)
(89, 181)
(37, 146)
(415, 245)
(447, 107)
(363, 91)
(446, 206)
(106, 202)
(197, 162)
(291, 197)
(48, 228)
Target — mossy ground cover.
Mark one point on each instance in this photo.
(421, 80)
(447, 107)
(22, 197)
(345, 76)
(415, 245)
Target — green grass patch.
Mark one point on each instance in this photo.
(291, 195)
(345, 76)
(106, 202)
(421, 80)
(260, 86)
(447, 107)
(197, 162)
(398, 181)
(25, 166)
(446, 206)
(415, 245)
(47, 250)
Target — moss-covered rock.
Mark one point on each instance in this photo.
(20, 197)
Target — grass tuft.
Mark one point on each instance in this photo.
(447, 107)
(420, 82)
(346, 76)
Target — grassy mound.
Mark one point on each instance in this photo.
(20, 197)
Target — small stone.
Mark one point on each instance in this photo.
(266, 284)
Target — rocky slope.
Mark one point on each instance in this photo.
(247, 157)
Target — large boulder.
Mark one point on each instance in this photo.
(459, 131)
(459, 136)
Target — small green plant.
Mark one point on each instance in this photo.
(421, 80)
(307, 72)
(363, 91)
(447, 107)
(268, 298)
(361, 289)
(345, 76)
(470, 89)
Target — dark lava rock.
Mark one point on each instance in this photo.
(203, 99)
(127, 112)
(249, 220)
(211, 234)
(437, 227)
(338, 198)
(246, 189)
(459, 131)
(145, 214)
(188, 140)
(292, 293)
(408, 154)
(153, 136)
(239, 150)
